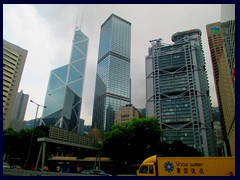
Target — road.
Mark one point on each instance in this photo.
(13, 172)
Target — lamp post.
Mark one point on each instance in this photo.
(30, 145)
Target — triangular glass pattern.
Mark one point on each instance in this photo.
(54, 100)
(80, 65)
(79, 36)
(73, 75)
(61, 72)
(77, 87)
(76, 54)
(54, 82)
(82, 46)
(63, 98)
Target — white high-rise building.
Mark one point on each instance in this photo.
(14, 58)
(177, 91)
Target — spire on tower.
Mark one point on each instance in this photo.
(79, 26)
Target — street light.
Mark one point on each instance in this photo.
(30, 145)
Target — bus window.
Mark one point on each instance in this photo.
(150, 170)
(143, 170)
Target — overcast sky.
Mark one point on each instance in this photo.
(46, 31)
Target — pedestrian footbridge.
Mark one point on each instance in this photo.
(64, 137)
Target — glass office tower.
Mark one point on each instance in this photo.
(64, 93)
(112, 88)
(177, 91)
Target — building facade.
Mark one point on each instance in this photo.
(143, 112)
(177, 91)
(126, 113)
(80, 129)
(112, 88)
(221, 38)
(221, 149)
(228, 24)
(19, 111)
(64, 93)
(14, 58)
(30, 123)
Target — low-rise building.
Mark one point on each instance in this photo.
(125, 113)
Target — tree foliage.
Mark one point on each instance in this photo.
(131, 143)
(178, 149)
(16, 144)
(138, 139)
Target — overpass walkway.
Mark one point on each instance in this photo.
(64, 137)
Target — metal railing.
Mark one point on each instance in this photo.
(68, 136)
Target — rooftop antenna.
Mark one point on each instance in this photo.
(76, 25)
(76, 20)
(81, 20)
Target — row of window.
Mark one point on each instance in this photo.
(10, 54)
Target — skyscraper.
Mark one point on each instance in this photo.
(14, 58)
(19, 110)
(64, 93)
(177, 91)
(221, 38)
(112, 88)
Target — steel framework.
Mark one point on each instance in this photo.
(177, 77)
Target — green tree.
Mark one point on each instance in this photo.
(116, 144)
(144, 136)
(16, 144)
(138, 139)
(131, 143)
(178, 149)
(40, 131)
(9, 141)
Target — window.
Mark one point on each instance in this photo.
(143, 169)
(150, 169)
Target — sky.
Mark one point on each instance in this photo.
(46, 31)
